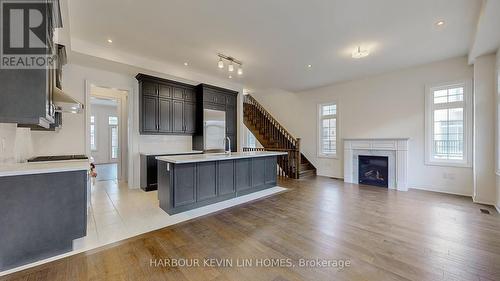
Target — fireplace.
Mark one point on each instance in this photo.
(373, 170)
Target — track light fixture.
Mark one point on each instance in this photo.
(232, 61)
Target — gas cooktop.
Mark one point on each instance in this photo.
(57, 158)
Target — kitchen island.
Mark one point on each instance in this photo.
(186, 182)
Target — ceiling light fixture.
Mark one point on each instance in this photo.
(110, 41)
(359, 53)
(186, 64)
(440, 23)
(231, 66)
(309, 66)
(220, 64)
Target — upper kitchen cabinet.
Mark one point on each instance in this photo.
(216, 98)
(166, 107)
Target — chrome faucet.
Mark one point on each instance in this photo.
(228, 140)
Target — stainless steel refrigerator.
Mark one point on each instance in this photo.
(214, 130)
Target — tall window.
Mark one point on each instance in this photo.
(448, 116)
(113, 125)
(251, 139)
(327, 130)
(93, 140)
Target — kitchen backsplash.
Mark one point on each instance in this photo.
(15, 144)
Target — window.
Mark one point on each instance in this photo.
(448, 117)
(250, 139)
(93, 142)
(112, 120)
(327, 146)
(114, 142)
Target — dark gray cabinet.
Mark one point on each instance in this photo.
(150, 111)
(215, 98)
(271, 172)
(226, 177)
(189, 117)
(41, 215)
(184, 184)
(258, 172)
(149, 170)
(164, 115)
(27, 94)
(167, 107)
(178, 116)
(206, 176)
(243, 171)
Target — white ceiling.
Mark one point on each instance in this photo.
(277, 39)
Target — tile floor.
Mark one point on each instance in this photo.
(106, 172)
(117, 212)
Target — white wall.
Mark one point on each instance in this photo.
(102, 113)
(484, 129)
(386, 105)
(498, 129)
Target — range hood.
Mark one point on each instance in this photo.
(65, 103)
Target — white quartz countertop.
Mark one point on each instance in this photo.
(172, 153)
(180, 159)
(18, 169)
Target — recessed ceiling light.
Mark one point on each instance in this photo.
(110, 41)
(230, 77)
(186, 64)
(440, 23)
(309, 66)
(359, 53)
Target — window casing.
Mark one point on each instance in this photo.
(449, 124)
(327, 130)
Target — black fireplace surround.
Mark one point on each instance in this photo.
(373, 170)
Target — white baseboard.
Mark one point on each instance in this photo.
(484, 202)
(441, 191)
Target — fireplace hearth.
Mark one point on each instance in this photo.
(373, 170)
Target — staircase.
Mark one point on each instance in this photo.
(275, 137)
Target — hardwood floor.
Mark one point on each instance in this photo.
(385, 235)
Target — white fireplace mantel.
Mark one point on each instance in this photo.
(396, 149)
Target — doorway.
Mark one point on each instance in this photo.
(107, 122)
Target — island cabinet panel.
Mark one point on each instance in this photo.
(243, 172)
(258, 172)
(184, 184)
(271, 170)
(206, 177)
(226, 177)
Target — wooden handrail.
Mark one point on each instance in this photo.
(248, 99)
(279, 139)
